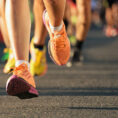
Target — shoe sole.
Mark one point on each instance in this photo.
(80, 63)
(49, 51)
(16, 86)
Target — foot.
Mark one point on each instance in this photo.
(10, 62)
(111, 31)
(21, 83)
(76, 58)
(38, 65)
(59, 45)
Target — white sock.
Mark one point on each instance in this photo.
(57, 28)
(19, 62)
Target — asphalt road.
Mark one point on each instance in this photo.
(86, 91)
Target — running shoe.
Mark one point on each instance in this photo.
(76, 58)
(21, 83)
(38, 65)
(10, 64)
(111, 31)
(59, 45)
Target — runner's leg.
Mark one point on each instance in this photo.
(40, 31)
(18, 24)
(38, 64)
(84, 19)
(21, 83)
(59, 49)
(55, 9)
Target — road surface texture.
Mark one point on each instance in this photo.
(85, 91)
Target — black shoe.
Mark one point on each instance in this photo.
(76, 58)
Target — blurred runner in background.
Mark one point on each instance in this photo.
(82, 27)
(111, 6)
(96, 6)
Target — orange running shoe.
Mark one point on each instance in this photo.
(59, 45)
(21, 83)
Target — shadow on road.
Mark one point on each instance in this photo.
(78, 91)
(73, 91)
(92, 108)
(2, 92)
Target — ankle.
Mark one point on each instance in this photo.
(79, 44)
(38, 46)
(19, 62)
(55, 28)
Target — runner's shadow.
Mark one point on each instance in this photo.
(98, 91)
(92, 108)
(2, 92)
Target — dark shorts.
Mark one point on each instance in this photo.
(111, 2)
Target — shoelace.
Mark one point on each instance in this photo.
(22, 70)
(61, 42)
